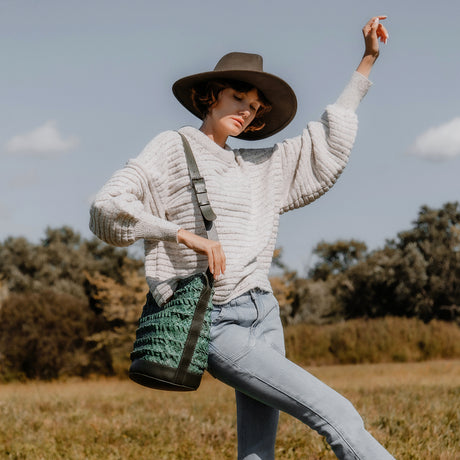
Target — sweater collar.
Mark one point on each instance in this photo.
(226, 154)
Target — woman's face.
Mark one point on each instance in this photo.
(233, 112)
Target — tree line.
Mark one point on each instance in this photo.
(69, 305)
(415, 274)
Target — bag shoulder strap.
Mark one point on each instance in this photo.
(201, 193)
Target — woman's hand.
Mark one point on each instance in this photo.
(373, 31)
(212, 249)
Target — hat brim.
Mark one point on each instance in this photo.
(280, 95)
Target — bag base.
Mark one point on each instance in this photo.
(160, 377)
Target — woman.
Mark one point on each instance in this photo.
(152, 198)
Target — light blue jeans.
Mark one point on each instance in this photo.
(247, 352)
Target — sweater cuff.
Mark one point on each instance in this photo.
(152, 228)
(354, 92)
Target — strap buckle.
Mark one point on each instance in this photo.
(201, 191)
(199, 185)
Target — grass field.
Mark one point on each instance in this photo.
(412, 408)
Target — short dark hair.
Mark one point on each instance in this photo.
(204, 96)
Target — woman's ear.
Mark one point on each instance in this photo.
(211, 107)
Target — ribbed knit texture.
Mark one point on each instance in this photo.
(152, 197)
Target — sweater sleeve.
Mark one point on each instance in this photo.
(312, 162)
(126, 210)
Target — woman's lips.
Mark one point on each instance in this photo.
(239, 121)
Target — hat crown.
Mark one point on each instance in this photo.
(240, 61)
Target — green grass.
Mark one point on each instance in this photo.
(412, 408)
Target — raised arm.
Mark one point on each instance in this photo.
(312, 162)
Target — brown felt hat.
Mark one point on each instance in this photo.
(247, 68)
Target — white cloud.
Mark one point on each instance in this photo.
(45, 141)
(438, 143)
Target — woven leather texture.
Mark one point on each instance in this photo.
(163, 331)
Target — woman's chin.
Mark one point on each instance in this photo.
(236, 131)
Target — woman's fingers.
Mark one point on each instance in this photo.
(211, 249)
(373, 20)
(377, 19)
(374, 24)
(219, 260)
(384, 35)
(216, 257)
(374, 32)
(211, 263)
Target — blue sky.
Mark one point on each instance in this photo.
(85, 85)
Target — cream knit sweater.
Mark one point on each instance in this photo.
(152, 197)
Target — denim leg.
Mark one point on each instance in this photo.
(257, 422)
(245, 353)
(256, 426)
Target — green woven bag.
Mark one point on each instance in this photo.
(171, 347)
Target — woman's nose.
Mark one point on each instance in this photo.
(245, 112)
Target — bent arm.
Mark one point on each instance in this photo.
(123, 210)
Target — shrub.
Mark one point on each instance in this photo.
(42, 335)
(372, 341)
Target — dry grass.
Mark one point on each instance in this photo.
(412, 408)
